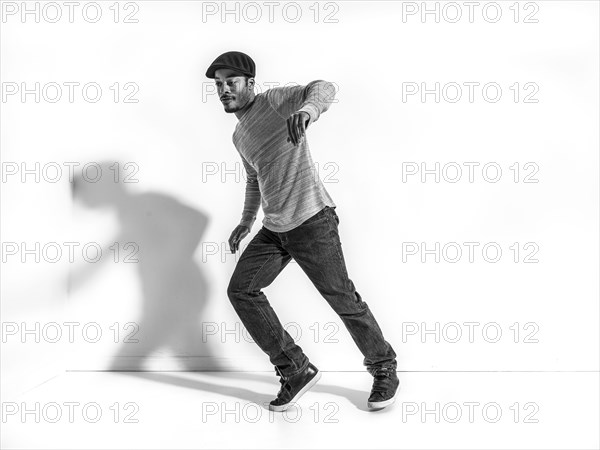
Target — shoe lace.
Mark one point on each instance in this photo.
(380, 384)
(285, 386)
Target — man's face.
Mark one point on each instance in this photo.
(234, 92)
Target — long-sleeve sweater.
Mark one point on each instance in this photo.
(281, 175)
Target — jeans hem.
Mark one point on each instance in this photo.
(304, 367)
(371, 368)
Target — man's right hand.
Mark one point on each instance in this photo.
(240, 232)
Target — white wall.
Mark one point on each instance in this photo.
(369, 136)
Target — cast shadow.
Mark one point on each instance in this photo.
(162, 234)
(356, 397)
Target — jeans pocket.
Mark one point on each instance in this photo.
(315, 218)
(337, 219)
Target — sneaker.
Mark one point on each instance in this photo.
(292, 388)
(385, 385)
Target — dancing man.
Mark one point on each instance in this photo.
(299, 222)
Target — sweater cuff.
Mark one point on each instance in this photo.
(312, 111)
(248, 222)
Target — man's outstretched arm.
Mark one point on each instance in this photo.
(301, 105)
(317, 97)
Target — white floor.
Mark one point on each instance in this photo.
(151, 410)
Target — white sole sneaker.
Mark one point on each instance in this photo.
(310, 384)
(381, 405)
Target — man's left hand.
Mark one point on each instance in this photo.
(297, 124)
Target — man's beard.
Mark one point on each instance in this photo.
(240, 103)
(232, 109)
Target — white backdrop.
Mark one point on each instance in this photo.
(370, 148)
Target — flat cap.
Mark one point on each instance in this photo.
(233, 60)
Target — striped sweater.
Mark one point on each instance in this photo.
(280, 176)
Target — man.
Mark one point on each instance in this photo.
(300, 222)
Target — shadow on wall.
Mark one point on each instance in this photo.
(175, 291)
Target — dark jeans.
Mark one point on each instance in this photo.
(315, 246)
